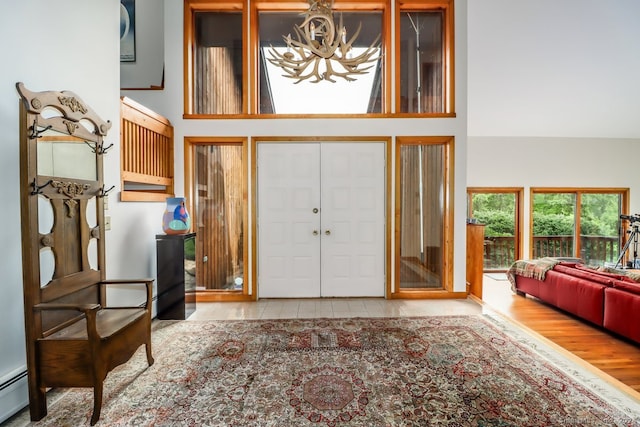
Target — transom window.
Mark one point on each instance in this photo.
(280, 94)
(229, 73)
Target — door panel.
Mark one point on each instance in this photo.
(288, 192)
(353, 200)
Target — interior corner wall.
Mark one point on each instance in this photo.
(147, 71)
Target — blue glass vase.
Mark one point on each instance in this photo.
(176, 219)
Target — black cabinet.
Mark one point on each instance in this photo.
(175, 254)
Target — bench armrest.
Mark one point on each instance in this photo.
(147, 282)
(84, 308)
(90, 312)
(126, 281)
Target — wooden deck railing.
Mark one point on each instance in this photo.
(500, 251)
(146, 164)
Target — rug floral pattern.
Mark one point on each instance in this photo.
(430, 371)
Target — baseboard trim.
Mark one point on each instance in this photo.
(14, 394)
(13, 380)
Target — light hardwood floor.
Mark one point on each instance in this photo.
(616, 357)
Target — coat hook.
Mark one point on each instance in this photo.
(104, 150)
(97, 148)
(38, 189)
(35, 133)
(92, 146)
(103, 193)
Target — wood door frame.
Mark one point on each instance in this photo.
(254, 141)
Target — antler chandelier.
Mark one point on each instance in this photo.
(318, 40)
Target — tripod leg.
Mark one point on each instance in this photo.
(635, 247)
(633, 236)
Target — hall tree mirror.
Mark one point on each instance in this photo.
(423, 188)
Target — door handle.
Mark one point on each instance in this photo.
(327, 232)
(315, 232)
(315, 210)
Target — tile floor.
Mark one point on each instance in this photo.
(332, 307)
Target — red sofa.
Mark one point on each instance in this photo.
(608, 299)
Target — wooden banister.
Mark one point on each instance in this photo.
(146, 167)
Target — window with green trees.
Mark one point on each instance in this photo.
(499, 210)
(581, 223)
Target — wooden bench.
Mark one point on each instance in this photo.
(92, 343)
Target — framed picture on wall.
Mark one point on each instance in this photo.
(127, 30)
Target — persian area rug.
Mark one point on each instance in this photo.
(426, 371)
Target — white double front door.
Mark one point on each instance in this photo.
(321, 219)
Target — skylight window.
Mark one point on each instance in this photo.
(306, 97)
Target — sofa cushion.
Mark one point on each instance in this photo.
(609, 272)
(603, 279)
(633, 288)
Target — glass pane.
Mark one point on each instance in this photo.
(422, 188)
(553, 224)
(600, 228)
(218, 63)
(498, 212)
(220, 217)
(421, 62)
(285, 95)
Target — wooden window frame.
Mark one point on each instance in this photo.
(446, 6)
(390, 52)
(447, 233)
(190, 143)
(383, 6)
(624, 208)
(518, 192)
(191, 7)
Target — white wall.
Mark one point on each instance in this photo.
(554, 68)
(51, 46)
(147, 70)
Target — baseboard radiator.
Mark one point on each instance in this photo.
(14, 393)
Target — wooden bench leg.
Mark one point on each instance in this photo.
(37, 403)
(97, 402)
(147, 347)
